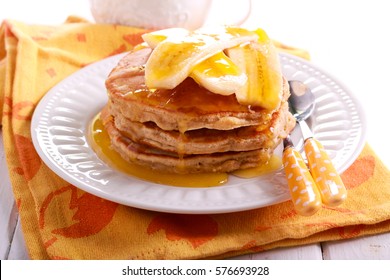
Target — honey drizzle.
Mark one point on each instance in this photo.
(274, 163)
(100, 142)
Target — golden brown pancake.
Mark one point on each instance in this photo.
(171, 162)
(187, 129)
(205, 141)
(187, 107)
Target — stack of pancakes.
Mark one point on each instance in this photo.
(187, 129)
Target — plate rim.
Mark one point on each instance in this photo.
(357, 104)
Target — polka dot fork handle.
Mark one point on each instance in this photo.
(304, 193)
(328, 181)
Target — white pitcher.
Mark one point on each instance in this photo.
(159, 14)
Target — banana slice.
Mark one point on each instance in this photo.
(174, 58)
(260, 61)
(252, 72)
(219, 75)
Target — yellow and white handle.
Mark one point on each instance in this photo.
(328, 181)
(304, 193)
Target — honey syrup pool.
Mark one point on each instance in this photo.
(100, 142)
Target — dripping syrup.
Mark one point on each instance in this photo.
(100, 142)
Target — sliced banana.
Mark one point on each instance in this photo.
(251, 68)
(260, 61)
(174, 58)
(219, 75)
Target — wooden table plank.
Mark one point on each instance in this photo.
(375, 247)
(18, 249)
(8, 209)
(305, 252)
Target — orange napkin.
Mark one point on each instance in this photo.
(60, 221)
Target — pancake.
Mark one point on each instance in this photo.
(187, 129)
(171, 162)
(187, 107)
(205, 141)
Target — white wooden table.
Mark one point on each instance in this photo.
(347, 38)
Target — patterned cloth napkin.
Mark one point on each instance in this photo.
(59, 221)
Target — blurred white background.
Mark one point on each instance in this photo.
(348, 39)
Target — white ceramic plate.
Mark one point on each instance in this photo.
(61, 119)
